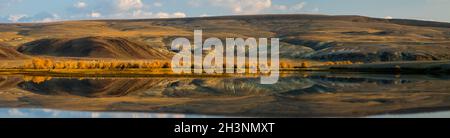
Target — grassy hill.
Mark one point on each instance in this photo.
(317, 37)
(10, 53)
(94, 47)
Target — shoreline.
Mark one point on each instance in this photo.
(394, 68)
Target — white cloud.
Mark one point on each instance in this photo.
(40, 17)
(243, 6)
(388, 17)
(80, 5)
(162, 15)
(115, 9)
(16, 18)
(49, 18)
(179, 15)
(168, 15)
(127, 5)
(141, 14)
(293, 8)
(298, 6)
(95, 14)
(249, 6)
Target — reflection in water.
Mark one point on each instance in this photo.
(295, 95)
(37, 79)
(441, 114)
(50, 113)
(194, 87)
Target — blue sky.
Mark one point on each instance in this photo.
(56, 10)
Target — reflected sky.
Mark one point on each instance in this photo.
(50, 113)
(442, 114)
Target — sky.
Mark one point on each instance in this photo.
(12, 11)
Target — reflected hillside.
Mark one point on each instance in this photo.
(314, 94)
(9, 82)
(93, 87)
(222, 87)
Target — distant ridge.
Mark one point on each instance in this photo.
(411, 22)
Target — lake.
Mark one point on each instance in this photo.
(306, 94)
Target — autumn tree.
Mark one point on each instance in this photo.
(41, 63)
(305, 64)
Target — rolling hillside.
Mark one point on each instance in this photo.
(318, 37)
(9, 53)
(94, 47)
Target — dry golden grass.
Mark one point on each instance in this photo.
(86, 64)
(46, 63)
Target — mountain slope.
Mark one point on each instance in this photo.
(93, 47)
(319, 37)
(8, 52)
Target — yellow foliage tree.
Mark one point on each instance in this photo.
(305, 64)
(285, 65)
(41, 63)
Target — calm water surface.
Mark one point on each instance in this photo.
(295, 95)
